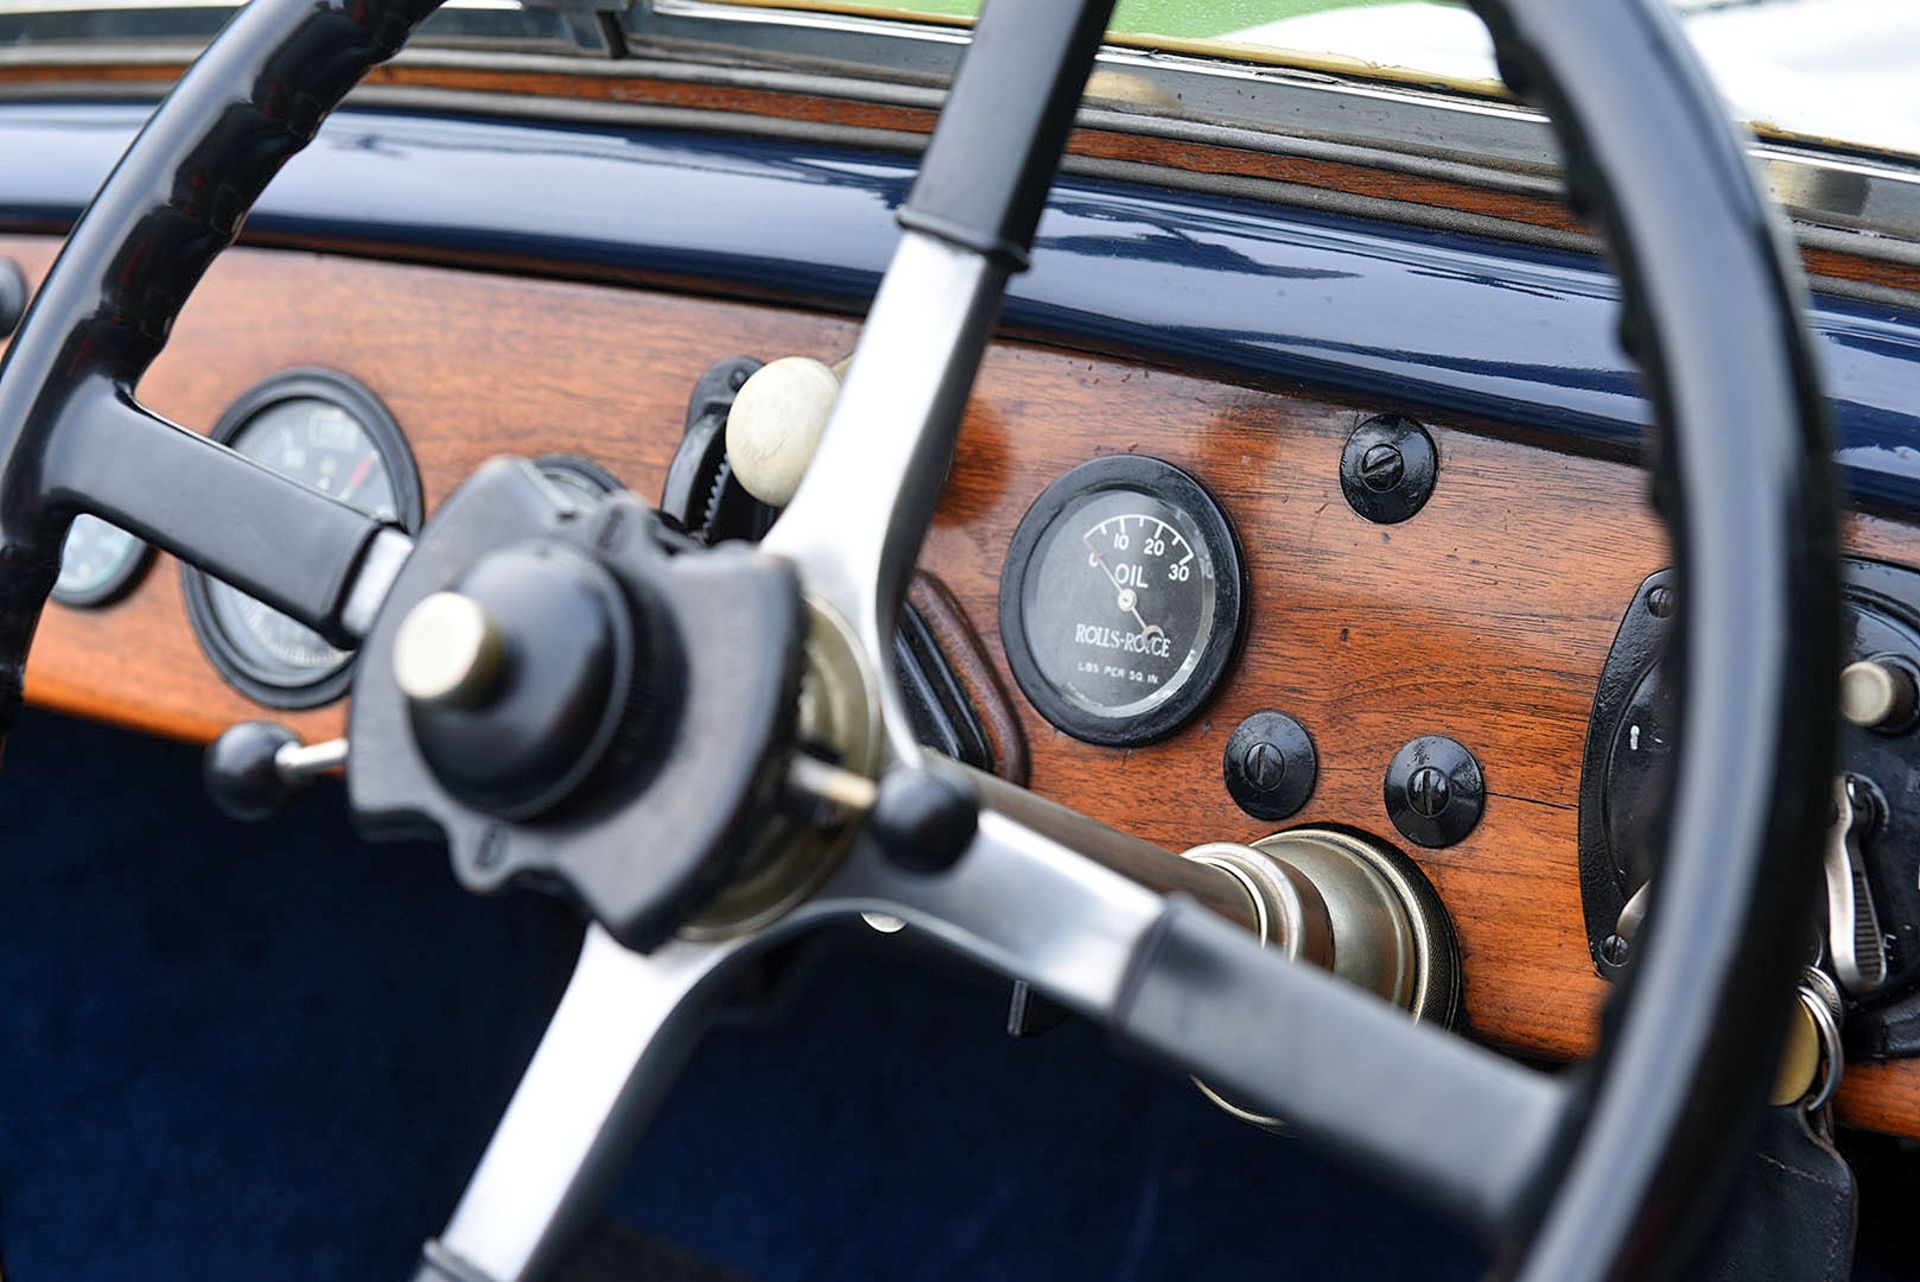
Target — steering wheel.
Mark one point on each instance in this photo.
(582, 700)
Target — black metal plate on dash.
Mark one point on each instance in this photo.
(1625, 770)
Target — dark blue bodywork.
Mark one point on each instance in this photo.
(1414, 317)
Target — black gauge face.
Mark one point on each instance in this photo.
(1121, 600)
(333, 436)
(98, 563)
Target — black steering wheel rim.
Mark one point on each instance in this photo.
(1742, 472)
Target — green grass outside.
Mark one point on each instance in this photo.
(1186, 19)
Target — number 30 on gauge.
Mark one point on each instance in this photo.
(1122, 600)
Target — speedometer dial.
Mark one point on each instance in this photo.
(1121, 600)
(331, 434)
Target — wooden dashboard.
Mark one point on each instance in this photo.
(1486, 617)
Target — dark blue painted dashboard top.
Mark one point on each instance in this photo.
(1417, 317)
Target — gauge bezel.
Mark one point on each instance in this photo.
(114, 586)
(596, 476)
(233, 665)
(1160, 480)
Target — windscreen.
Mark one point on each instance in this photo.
(1843, 72)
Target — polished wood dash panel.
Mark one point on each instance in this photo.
(1487, 617)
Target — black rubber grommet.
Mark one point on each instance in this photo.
(1270, 765)
(1435, 792)
(1388, 469)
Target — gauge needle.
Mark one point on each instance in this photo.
(1128, 601)
(358, 478)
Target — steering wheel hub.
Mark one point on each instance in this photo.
(630, 751)
(531, 667)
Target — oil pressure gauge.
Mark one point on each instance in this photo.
(1122, 600)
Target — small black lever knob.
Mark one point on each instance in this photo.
(242, 775)
(255, 768)
(924, 820)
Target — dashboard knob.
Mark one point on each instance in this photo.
(447, 651)
(255, 768)
(775, 425)
(518, 680)
(1877, 694)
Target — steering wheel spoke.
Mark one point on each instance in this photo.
(620, 1034)
(855, 526)
(1039, 895)
(308, 555)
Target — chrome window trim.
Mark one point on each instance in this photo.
(1864, 203)
(1395, 125)
(174, 25)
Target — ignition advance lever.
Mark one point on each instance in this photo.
(1854, 940)
(1855, 944)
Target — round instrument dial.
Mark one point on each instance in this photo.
(331, 435)
(98, 563)
(1121, 600)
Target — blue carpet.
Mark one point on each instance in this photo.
(274, 1052)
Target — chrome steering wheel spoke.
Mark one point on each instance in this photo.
(855, 526)
(1036, 896)
(856, 523)
(616, 1042)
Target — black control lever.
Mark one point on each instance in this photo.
(256, 767)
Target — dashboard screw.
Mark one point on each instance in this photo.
(1264, 766)
(1388, 469)
(1427, 791)
(1382, 468)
